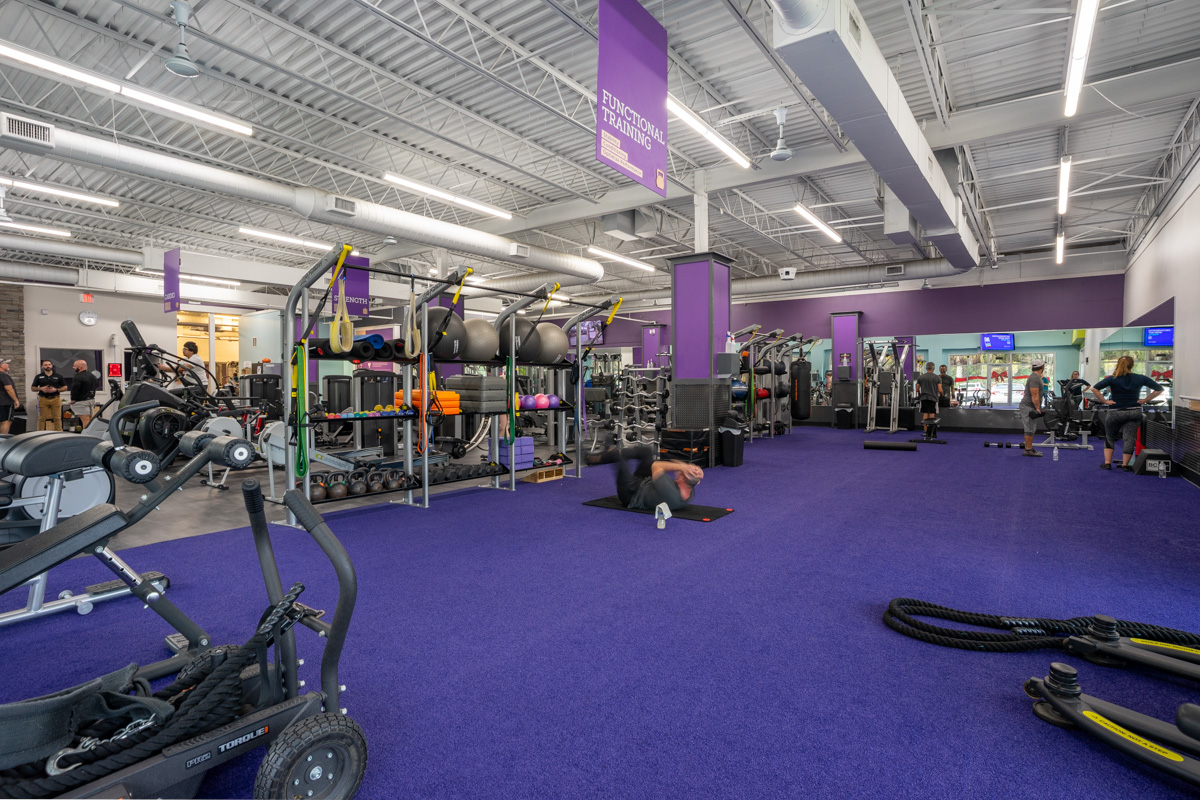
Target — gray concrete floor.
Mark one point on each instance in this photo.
(200, 509)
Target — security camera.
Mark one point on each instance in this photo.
(787, 273)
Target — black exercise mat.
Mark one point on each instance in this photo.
(692, 512)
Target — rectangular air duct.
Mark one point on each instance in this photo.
(28, 131)
(830, 49)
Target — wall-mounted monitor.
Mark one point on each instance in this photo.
(593, 333)
(998, 341)
(1158, 337)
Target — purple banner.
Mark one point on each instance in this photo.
(358, 287)
(631, 93)
(171, 281)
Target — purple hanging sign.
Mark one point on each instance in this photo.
(171, 281)
(358, 287)
(631, 93)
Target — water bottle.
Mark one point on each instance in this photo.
(1056, 454)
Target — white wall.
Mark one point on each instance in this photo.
(59, 326)
(1165, 266)
(260, 336)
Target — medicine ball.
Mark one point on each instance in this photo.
(762, 394)
(482, 340)
(528, 402)
(449, 345)
(541, 401)
(554, 401)
(552, 343)
(527, 339)
(739, 390)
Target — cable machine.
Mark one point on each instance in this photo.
(886, 379)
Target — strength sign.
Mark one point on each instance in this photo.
(171, 281)
(631, 93)
(358, 287)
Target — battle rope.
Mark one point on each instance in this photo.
(1023, 633)
(206, 699)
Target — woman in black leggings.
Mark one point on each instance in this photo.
(1124, 409)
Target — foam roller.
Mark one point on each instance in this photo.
(192, 443)
(359, 351)
(134, 464)
(227, 451)
(873, 444)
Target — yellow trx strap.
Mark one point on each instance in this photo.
(341, 331)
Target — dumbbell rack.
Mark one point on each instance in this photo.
(633, 414)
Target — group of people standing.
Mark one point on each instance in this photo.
(49, 386)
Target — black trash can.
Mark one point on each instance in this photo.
(843, 418)
(733, 448)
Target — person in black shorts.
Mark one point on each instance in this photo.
(83, 392)
(652, 482)
(929, 390)
(8, 396)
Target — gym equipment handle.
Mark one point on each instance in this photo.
(114, 429)
(312, 521)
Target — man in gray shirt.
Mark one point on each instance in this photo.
(1031, 405)
(947, 387)
(929, 390)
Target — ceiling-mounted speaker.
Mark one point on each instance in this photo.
(781, 151)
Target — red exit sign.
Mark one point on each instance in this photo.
(87, 298)
(114, 370)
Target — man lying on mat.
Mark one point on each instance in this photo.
(653, 482)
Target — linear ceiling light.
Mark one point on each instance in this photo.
(1081, 43)
(186, 110)
(38, 188)
(633, 262)
(1064, 183)
(200, 278)
(57, 68)
(62, 70)
(432, 191)
(820, 223)
(279, 237)
(36, 229)
(707, 131)
(1059, 245)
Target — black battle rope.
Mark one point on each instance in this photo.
(207, 699)
(1023, 633)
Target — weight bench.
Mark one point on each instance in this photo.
(61, 457)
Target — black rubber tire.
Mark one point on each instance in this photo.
(327, 739)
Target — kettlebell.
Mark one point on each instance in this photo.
(393, 481)
(317, 492)
(337, 491)
(358, 487)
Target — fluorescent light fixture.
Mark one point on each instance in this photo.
(707, 131)
(820, 223)
(199, 278)
(633, 262)
(58, 68)
(1064, 183)
(17, 226)
(1081, 43)
(476, 280)
(432, 191)
(39, 188)
(62, 70)
(279, 237)
(488, 314)
(184, 110)
(1059, 245)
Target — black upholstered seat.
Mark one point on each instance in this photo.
(65, 540)
(46, 453)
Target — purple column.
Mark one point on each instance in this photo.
(845, 341)
(700, 311)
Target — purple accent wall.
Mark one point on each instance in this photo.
(1093, 302)
(844, 336)
(691, 293)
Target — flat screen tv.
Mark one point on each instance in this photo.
(593, 333)
(1158, 337)
(998, 341)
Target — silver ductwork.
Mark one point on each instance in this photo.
(824, 279)
(314, 204)
(68, 249)
(13, 271)
(830, 49)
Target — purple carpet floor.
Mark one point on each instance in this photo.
(522, 645)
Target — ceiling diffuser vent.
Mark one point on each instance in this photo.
(340, 205)
(895, 271)
(13, 128)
